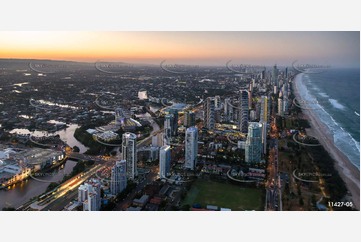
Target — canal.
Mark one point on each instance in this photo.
(22, 192)
(66, 135)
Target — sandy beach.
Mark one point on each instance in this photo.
(348, 172)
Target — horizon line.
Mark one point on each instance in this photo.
(161, 60)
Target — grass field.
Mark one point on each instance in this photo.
(224, 195)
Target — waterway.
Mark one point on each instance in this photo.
(66, 135)
(21, 193)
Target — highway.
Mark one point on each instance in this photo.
(68, 190)
(273, 183)
(70, 185)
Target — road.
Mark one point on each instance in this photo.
(63, 201)
(59, 199)
(69, 190)
(273, 183)
(150, 177)
(68, 186)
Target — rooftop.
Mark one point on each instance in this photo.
(37, 156)
(141, 200)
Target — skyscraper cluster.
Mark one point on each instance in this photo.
(283, 99)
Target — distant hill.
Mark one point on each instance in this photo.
(23, 64)
(28, 64)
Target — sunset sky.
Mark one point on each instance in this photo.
(209, 48)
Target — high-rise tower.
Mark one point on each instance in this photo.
(129, 153)
(191, 147)
(243, 111)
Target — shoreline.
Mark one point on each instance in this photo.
(349, 173)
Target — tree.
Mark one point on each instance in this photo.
(51, 186)
(8, 209)
(174, 208)
(300, 201)
(299, 190)
(108, 207)
(185, 207)
(76, 149)
(287, 188)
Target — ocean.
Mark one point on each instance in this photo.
(334, 96)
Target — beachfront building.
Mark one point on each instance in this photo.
(191, 147)
(129, 154)
(254, 143)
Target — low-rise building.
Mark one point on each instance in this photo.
(16, 166)
(107, 136)
(141, 201)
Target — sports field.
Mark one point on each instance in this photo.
(224, 195)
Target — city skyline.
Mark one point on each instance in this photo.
(108, 136)
(125, 117)
(340, 49)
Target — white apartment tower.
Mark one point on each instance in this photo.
(191, 147)
(129, 153)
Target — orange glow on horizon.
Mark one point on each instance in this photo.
(257, 47)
